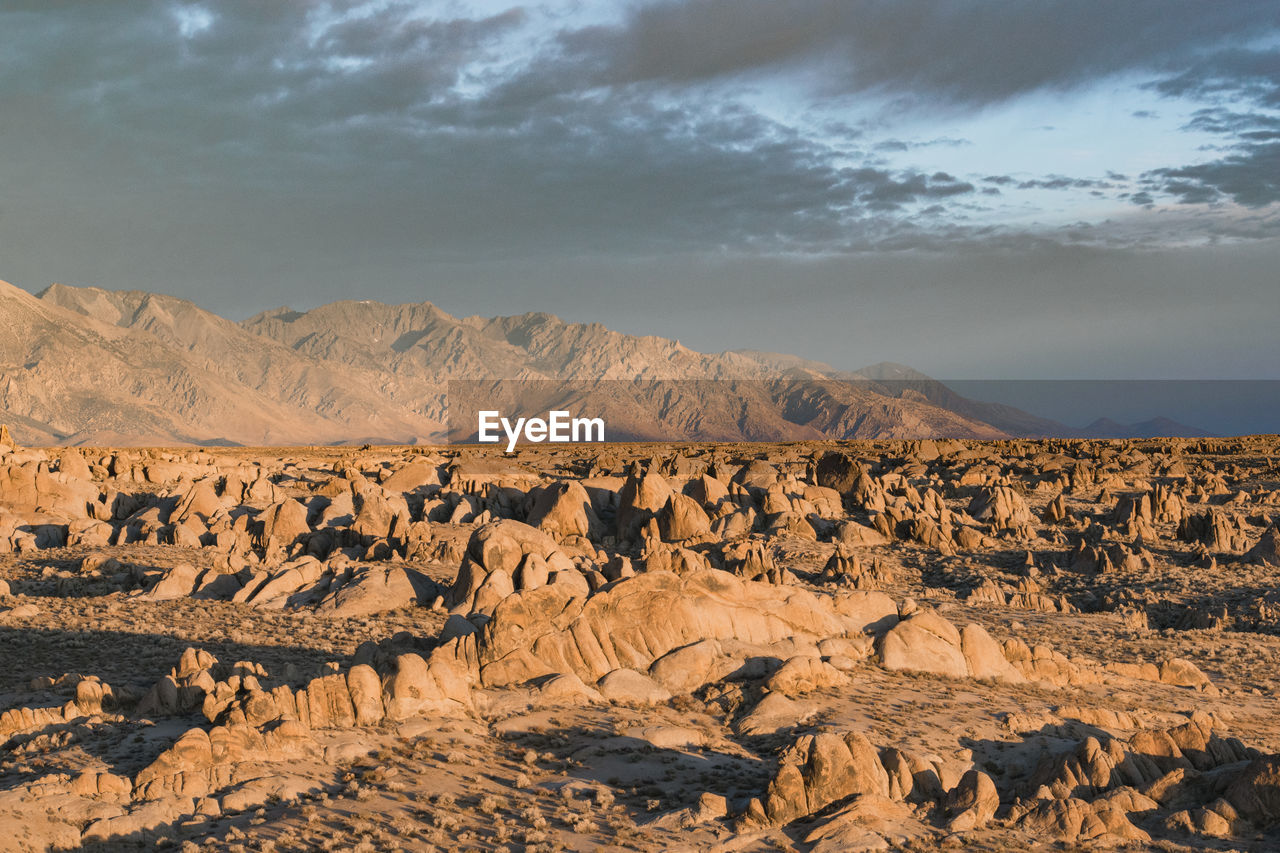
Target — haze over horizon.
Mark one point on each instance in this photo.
(978, 189)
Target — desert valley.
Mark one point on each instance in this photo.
(823, 646)
(820, 426)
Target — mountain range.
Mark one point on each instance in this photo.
(85, 366)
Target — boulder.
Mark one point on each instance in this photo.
(635, 621)
(985, 657)
(804, 674)
(685, 669)
(707, 491)
(1076, 821)
(924, 642)
(200, 501)
(972, 803)
(374, 589)
(178, 582)
(628, 686)
(642, 497)
(1255, 793)
(1266, 551)
(501, 545)
(417, 687)
(413, 476)
(756, 474)
(564, 509)
(853, 533)
(1001, 507)
(818, 770)
(283, 524)
(838, 471)
(682, 518)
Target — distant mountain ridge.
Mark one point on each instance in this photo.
(81, 365)
(1153, 428)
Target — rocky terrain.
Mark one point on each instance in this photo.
(84, 366)
(822, 646)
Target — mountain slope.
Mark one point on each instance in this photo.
(703, 396)
(420, 343)
(84, 365)
(80, 380)
(345, 402)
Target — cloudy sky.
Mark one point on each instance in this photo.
(978, 188)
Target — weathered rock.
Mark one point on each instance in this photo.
(818, 770)
(804, 674)
(412, 476)
(682, 518)
(1075, 821)
(1255, 793)
(378, 515)
(564, 509)
(283, 524)
(1215, 529)
(1183, 673)
(629, 686)
(178, 582)
(756, 474)
(200, 501)
(366, 694)
(685, 669)
(500, 546)
(985, 657)
(868, 610)
(924, 643)
(374, 589)
(707, 491)
(417, 688)
(642, 497)
(1266, 551)
(853, 533)
(1001, 507)
(839, 471)
(972, 803)
(633, 623)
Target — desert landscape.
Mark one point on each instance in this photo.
(656, 425)
(822, 646)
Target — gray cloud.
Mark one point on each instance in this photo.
(1061, 182)
(1249, 171)
(295, 106)
(249, 154)
(572, 144)
(1249, 176)
(1251, 73)
(959, 52)
(912, 145)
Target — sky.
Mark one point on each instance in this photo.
(976, 188)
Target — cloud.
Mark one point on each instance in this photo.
(1249, 73)
(970, 52)
(1249, 176)
(1060, 182)
(788, 173)
(1244, 85)
(899, 145)
(394, 129)
(431, 132)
